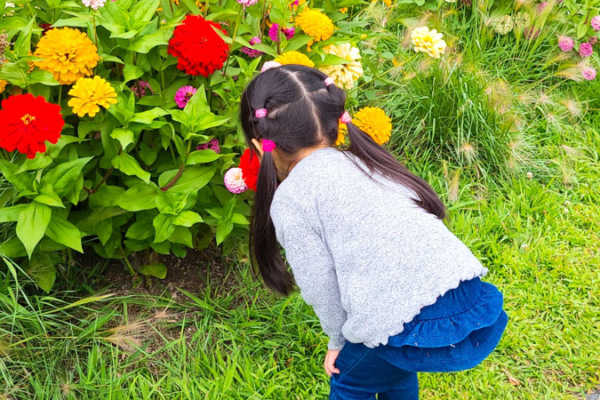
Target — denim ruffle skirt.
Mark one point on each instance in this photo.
(455, 333)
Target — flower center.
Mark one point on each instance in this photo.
(27, 119)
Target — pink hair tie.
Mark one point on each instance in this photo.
(328, 81)
(260, 113)
(345, 118)
(268, 145)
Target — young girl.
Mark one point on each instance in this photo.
(393, 288)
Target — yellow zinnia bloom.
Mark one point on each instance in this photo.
(66, 53)
(90, 93)
(315, 24)
(342, 131)
(3, 84)
(374, 122)
(294, 57)
(344, 75)
(428, 41)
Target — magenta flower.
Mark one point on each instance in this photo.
(247, 3)
(139, 88)
(212, 145)
(252, 52)
(596, 23)
(234, 181)
(183, 95)
(274, 32)
(566, 43)
(589, 73)
(289, 32)
(295, 2)
(585, 49)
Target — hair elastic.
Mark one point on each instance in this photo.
(345, 118)
(260, 113)
(328, 81)
(268, 145)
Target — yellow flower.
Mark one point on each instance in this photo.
(374, 122)
(388, 2)
(294, 57)
(428, 41)
(342, 131)
(344, 75)
(3, 84)
(343, 10)
(67, 53)
(315, 24)
(90, 93)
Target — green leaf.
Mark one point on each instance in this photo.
(106, 196)
(43, 77)
(182, 236)
(239, 219)
(202, 157)
(64, 232)
(11, 214)
(32, 224)
(50, 199)
(104, 230)
(193, 179)
(139, 197)
(12, 248)
(163, 227)
(124, 136)
(40, 161)
(22, 46)
(44, 274)
(143, 12)
(131, 72)
(224, 228)
(129, 166)
(157, 270)
(146, 117)
(148, 42)
(15, 73)
(187, 218)
(140, 230)
(65, 175)
(22, 182)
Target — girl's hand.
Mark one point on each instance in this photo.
(329, 363)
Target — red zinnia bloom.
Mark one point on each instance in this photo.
(26, 122)
(250, 165)
(198, 48)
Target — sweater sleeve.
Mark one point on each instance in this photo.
(312, 266)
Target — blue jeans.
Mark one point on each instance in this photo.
(363, 374)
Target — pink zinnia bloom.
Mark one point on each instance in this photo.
(274, 32)
(234, 181)
(565, 43)
(596, 23)
(289, 32)
(542, 6)
(139, 88)
(295, 2)
(95, 4)
(212, 145)
(247, 3)
(589, 73)
(252, 52)
(585, 49)
(183, 95)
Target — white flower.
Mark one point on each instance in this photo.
(428, 41)
(346, 74)
(95, 4)
(234, 181)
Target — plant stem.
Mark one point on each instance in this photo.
(235, 30)
(174, 179)
(129, 266)
(94, 27)
(262, 20)
(59, 94)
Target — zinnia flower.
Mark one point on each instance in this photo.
(294, 57)
(250, 166)
(374, 122)
(274, 32)
(589, 73)
(66, 53)
(234, 181)
(595, 22)
(344, 75)
(252, 52)
(3, 84)
(247, 3)
(183, 95)
(566, 43)
(139, 88)
(342, 132)
(198, 48)
(585, 49)
(89, 94)
(26, 122)
(289, 32)
(315, 24)
(95, 4)
(212, 145)
(428, 41)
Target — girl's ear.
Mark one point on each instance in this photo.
(258, 148)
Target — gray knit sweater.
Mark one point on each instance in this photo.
(363, 254)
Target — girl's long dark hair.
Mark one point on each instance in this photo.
(303, 112)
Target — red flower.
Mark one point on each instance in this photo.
(198, 48)
(26, 122)
(250, 165)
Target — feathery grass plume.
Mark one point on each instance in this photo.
(521, 153)
(468, 152)
(453, 186)
(573, 107)
(499, 95)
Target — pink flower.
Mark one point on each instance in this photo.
(212, 145)
(585, 49)
(289, 32)
(234, 181)
(295, 2)
(139, 88)
(566, 43)
(94, 4)
(183, 95)
(596, 23)
(274, 32)
(252, 52)
(542, 6)
(247, 3)
(593, 40)
(589, 73)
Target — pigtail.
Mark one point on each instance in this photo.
(376, 158)
(263, 242)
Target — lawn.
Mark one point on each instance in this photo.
(511, 145)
